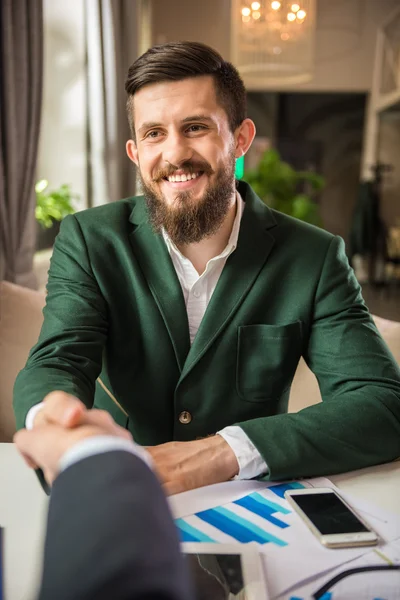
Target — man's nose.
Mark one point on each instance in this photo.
(177, 149)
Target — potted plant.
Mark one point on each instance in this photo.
(279, 186)
(51, 207)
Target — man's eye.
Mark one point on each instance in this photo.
(152, 134)
(195, 128)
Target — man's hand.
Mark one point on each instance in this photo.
(183, 466)
(46, 444)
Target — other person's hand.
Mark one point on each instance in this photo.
(44, 446)
(183, 466)
(60, 408)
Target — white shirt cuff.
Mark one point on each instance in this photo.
(251, 463)
(100, 444)
(32, 412)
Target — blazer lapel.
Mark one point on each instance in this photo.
(238, 276)
(159, 272)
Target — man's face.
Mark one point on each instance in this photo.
(186, 153)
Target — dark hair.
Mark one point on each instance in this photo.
(175, 61)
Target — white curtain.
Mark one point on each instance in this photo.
(112, 45)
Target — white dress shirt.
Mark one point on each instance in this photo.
(197, 291)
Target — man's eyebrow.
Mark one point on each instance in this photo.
(197, 118)
(150, 124)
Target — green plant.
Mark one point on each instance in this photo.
(277, 184)
(53, 205)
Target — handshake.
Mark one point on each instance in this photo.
(58, 426)
(64, 421)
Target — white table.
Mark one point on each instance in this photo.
(23, 508)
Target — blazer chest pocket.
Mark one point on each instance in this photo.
(267, 359)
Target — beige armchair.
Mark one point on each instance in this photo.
(305, 390)
(20, 322)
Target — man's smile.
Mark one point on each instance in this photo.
(183, 181)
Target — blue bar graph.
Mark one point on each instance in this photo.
(191, 534)
(241, 529)
(281, 488)
(261, 509)
(276, 507)
(226, 520)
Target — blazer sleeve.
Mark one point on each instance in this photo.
(68, 354)
(358, 422)
(110, 535)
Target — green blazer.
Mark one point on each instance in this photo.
(115, 335)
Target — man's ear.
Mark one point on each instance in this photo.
(132, 152)
(244, 136)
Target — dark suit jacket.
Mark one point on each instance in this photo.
(110, 535)
(115, 308)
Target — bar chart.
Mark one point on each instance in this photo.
(257, 517)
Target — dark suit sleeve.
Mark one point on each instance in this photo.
(358, 423)
(110, 535)
(68, 355)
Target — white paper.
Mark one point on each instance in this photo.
(188, 503)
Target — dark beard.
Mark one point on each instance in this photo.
(190, 222)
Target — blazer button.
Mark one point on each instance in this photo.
(185, 417)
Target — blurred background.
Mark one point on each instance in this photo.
(323, 81)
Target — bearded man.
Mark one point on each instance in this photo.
(184, 312)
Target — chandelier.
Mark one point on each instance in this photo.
(273, 41)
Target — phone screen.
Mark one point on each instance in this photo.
(328, 513)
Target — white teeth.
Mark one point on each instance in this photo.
(183, 177)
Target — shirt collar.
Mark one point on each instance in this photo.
(233, 238)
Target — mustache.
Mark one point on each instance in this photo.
(188, 166)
